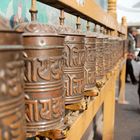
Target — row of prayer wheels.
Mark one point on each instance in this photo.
(44, 68)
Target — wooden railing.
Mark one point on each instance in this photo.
(92, 12)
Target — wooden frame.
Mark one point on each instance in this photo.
(90, 11)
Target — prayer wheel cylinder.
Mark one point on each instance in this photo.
(74, 56)
(106, 54)
(99, 58)
(110, 54)
(90, 63)
(44, 88)
(12, 122)
(112, 48)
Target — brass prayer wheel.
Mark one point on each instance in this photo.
(44, 90)
(105, 54)
(112, 48)
(74, 56)
(116, 48)
(99, 57)
(125, 44)
(110, 57)
(122, 47)
(90, 60)
(12, 122)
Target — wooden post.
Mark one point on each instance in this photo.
(109, 111)
(88, 26)
(78, 23)
(95, 28)
(121, 99)
(112, 4)
(61, 18)
(124, 24)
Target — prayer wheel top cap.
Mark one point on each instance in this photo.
(119, 39)
(38, 35)
(102, 36)
(37, 29)
(91, 34)
(66, 30)
(20, 27)
(10, 37)
(112, 38)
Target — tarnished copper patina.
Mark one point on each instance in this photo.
(12, 123)
(90, 63)
(125, 47)
(99, 57)
(44, 88)
(116, 48)
(106, 54)
(74, 55)
(110, 51)
(119, 48)
(20, 27)
(122, 47)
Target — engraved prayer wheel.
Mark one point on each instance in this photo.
(20, 27)
(12, 122)
(105, 54)
(108, 53)
(110, 57)
(44, 88)
(122, 47)
(99, 58)
(116, 48)
(125, 44)
(74, 55)
(90, 60)
(113, 57)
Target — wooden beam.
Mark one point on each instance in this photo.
(90, 11)
(81, 124)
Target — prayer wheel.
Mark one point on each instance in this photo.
(105, 54)
(99, 58)
(113, 57)
(44, 88)
(90, 60)
(116, 48)
(74, 56)
(125, 44)
(110, 57)
(12, 122)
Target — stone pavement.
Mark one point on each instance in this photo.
(127, 118)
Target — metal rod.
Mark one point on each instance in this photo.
(62, 17)
(88, 26)
(78, 24)
(33, 10)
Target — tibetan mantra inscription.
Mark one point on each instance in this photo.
(43, 88)
(12, 123)
(99, 58)
(74, 56)
(90, 63)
